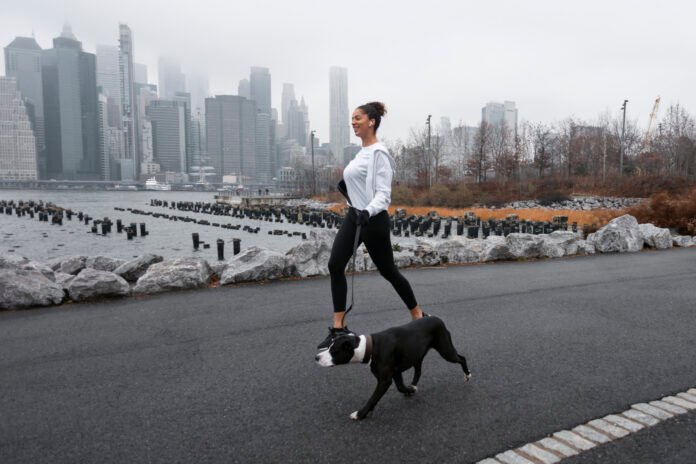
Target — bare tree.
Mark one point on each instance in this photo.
(676, 140)
(480, 161)
(543, 148)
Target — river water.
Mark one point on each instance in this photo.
(171, 239)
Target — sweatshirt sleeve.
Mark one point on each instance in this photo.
(382, 179)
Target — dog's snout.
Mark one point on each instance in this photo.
(316, 358)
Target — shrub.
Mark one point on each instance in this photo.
(402, 196)
(664, 210)
(460, 197)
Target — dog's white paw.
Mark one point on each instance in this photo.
(468, 377)
(415, 389)
(354, 415)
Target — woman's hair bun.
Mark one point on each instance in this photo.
(379, 106)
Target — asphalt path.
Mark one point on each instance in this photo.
(228, 374)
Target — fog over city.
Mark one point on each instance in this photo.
(445, 58)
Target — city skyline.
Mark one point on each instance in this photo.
(418, 61)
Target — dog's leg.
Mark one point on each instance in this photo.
(449, 353)
(416, 373)
(382, 386)
(399, 381)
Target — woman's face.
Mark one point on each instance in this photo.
(361, 124)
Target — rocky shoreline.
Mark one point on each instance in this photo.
(578, 203)
(26, 284)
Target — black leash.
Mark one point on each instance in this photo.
(352, 279)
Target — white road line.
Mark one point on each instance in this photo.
(542, 455)
(592, 434)
(575, 440)
(624, 422)
(680, 402)
(653, 411)
(687, 397)
(510, 457)
(558, 447)
(674, 409)
(640, 416)
(608, 428)
(596, 432)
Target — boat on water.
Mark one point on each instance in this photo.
(152, 184)
(121, 187)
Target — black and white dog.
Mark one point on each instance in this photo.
(391, 352)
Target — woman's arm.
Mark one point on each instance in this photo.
(382, 185)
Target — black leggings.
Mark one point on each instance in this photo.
(378, 243)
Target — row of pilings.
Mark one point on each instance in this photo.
(56, 215)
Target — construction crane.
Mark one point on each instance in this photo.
(647, 142)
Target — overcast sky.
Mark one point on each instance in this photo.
(446, 58)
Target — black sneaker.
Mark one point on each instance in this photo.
(333, 333)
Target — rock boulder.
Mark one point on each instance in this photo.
(20, 288)
(656, 237)
(255, 263)
(104, 263)
(91, 283)
(136, 268)
(621, 235)
(174, 274)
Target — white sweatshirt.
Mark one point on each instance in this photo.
(368, 178)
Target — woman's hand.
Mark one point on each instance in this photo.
(363, 217)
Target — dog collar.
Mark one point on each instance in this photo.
(368, 349)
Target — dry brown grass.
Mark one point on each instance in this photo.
(598, 217)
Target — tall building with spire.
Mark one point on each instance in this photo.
(127, 80)
(17, 141)
(339, 114)
(23, 62)
(71, 109)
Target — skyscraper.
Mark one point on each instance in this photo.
(184, 98)
(128, 93)
(288, 97)
(168, 119)
(112, 147)
(17, 141)
(144, 95)
(109, 72)
(296, 126)
(339, 114)
(495, 113)
(262, 149)
(171, 79)
(140, 73)
(199, 88)
(23, 62)
(244, 89)
(70, 110)
(230, 122)
(260, 87)
(105, 156)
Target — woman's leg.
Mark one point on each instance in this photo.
(341, 252)
(378, 243)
